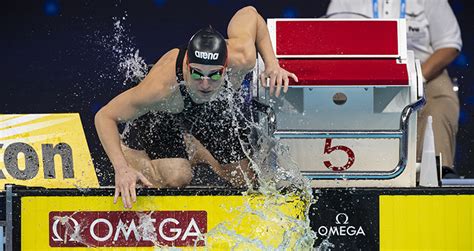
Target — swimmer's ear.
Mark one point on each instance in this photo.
(226, 63)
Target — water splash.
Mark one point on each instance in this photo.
(119, 54)
(279, 179)
(131, 65)
(134, 68)
(280, 183)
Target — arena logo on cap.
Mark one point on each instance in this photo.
(206, 55)
(127, 229)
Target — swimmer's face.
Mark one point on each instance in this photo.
(205, 81)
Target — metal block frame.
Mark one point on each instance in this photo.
(406, 133)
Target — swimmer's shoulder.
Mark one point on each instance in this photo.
(161, 79)
(165, 68)
(161, 84)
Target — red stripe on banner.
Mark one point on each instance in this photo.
(127, 228)
(336, 38)
(352, 72)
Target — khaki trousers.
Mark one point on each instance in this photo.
(442, 104)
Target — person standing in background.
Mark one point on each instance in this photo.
(434, 35)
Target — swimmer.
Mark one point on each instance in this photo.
(175, 108)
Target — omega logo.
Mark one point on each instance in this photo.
(342, 228)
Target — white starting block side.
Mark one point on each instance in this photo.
(349, 120)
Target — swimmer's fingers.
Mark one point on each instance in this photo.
(293, 76)
(286, 83)
(263, 80)
(272, 83)
(276, 79)
(126, 198)
(117, 194)
(279, 82)
(122, 188)
(286, 79)
(266, 81)
(133, 193)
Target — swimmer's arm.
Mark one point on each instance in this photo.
(155, 88)
(124, 107)
(241, 43)
(121, 108)
(152, 91)
(248, 33)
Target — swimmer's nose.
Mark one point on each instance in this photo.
(205, 85)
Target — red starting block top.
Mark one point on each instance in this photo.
(347, 72)
(341, 52)
(337, 38)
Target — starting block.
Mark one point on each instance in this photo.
(349, 119)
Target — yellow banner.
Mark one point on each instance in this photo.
(427, 222)
(46, 150)
(209, 222)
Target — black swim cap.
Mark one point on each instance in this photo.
(207, 46)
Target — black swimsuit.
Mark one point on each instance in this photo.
(219, 125)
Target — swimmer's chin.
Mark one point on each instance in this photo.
(203, 96)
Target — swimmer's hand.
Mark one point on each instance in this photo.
(274, 77)
(125, 184)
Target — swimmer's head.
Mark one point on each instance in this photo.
(207, 47)
(207, 61)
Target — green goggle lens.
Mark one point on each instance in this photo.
(199, 76)
(195, 76)
(216, 76)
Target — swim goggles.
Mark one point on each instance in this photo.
(215, 76)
